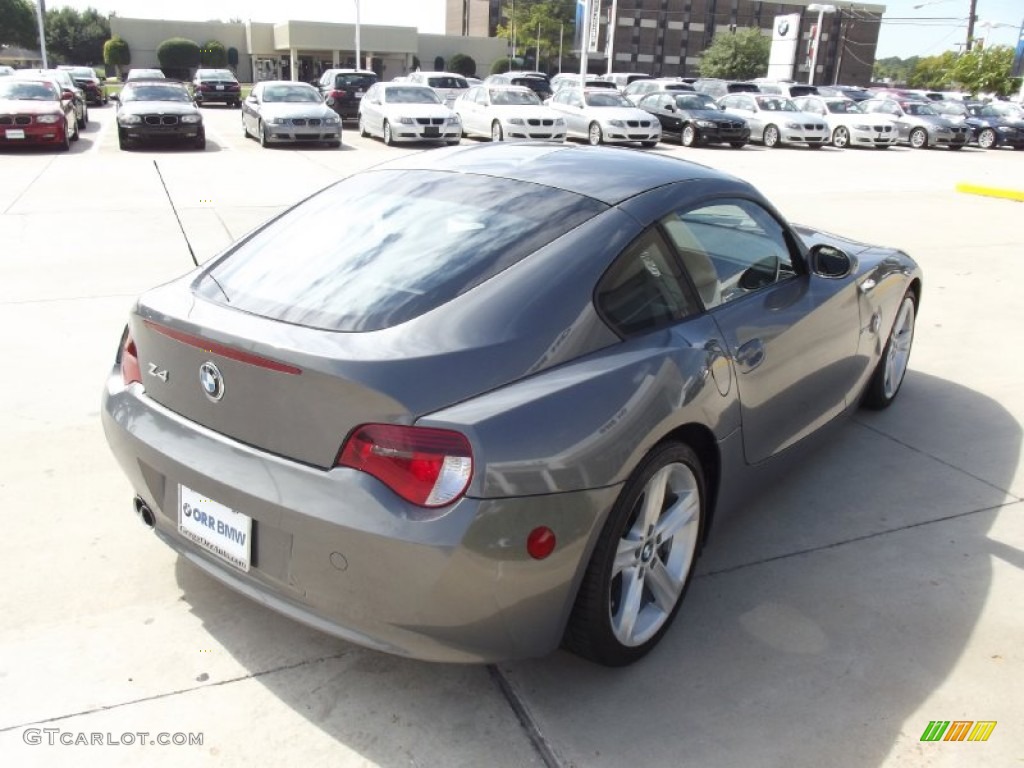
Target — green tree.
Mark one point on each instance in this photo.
(76, 37)
(116, 54)
(462, 64)
(933, 73)
(546, 18)
(213, 54)
(18, 24)
(986, 70)
(178, 56)
(894, 70)
(739, 55)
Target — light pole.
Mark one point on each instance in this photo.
(612, 23)
(359, 53)
(42, 33)
(822, 10)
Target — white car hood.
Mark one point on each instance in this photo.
(295, 110)
(605, 114)
(416, 110)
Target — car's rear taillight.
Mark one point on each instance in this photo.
(130, 370)
(338, 94)
(428, 467)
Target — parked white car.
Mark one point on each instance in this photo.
(603, 116)
(775, 120)
(447, 85)
(849, 125)
(407, 112)
(504, 112)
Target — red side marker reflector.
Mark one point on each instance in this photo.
(540, 542)
(219, 349)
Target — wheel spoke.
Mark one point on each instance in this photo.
(663, 586)
(625, 555)
(677, 517)
(654, 500)
(629, 607)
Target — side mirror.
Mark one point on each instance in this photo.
(670, 107)
(66, 95)
(329, 101)
(830, 262)
(114, 97)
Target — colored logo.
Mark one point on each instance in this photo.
(958, 730)
(211, 381)
(783, 27)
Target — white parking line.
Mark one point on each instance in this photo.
(98, 138)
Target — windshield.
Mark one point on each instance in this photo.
(447, 82)
(27, 91)
(154, 92)
(775, 104)
(291, 93)
(607, 99)
(914, 108)
(403, 243)
(843, 108)
(507, 97)
(695, 101)
(410, 95)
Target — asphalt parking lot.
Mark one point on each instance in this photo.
(877, 587)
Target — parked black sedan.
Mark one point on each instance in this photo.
(995, 125)
(158, 110)
(693, 119)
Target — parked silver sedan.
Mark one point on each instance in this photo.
(918, 124)
(407, 112)
(775, 120)
(279, 111)
(498, 403)
(848, 124)
(508, 112)
(603, 116)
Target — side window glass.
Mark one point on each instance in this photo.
(643, 290)
(729, 248)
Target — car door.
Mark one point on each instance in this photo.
(372, 109)
(250, 110)
(670, 116)
(792, 336)
(470, 109)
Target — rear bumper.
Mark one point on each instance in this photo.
(338, 551)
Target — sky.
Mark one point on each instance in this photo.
(906, 31)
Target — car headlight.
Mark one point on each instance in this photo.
(860, 127)
(48, 119)
(617, 123)
(129, 119)
(516, 121)
(453, 120)
(334, 120)
(705, 124)
(191, 119)
(278, 121)
(559, 122)
(792, 125)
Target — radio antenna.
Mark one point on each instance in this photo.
(176, 216)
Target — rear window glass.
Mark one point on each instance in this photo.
(354, 80)
(447, 82)
(381, 248)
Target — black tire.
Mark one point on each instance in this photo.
(245, 129)
(882, 146)
(737, 144)
(956, 147)
(881, 389)
(594, 135)
(76, 135)
(123, 142)
(770, 137)
(453, 142)
(65, 143)
(592, 631)
(496, 133)
(200, 140)
(388, 139)
(987, 138)
(362, 129)
(261, 134)
(919, 138)
(85, 119)
(815, 145)
(688, 137)
(841, 137)
(334, 144)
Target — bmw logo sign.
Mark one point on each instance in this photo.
(211, 381)
(783, 27)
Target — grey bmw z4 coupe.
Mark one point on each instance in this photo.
(498, 407)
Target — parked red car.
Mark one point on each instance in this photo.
(36, 112)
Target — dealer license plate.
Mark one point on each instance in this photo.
(14, 133)
(214, 527)
(220, 87)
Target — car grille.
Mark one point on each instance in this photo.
(161, 119)
(430, 120)
(814, 127)
(304, 121)
(15, 120)
(537, 121)
(638, 123)
(883, 128)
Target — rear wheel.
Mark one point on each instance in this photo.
(987, 138)
(919, 138)
(643, 560)
(594, 135)
(840, 137)
(771, 136)
(496, 132)
(689, 136)
(892, 367)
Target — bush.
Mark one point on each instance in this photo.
(178, 57)
(462, 64)
(500, 66)
(116, 54)
(233, 57)
(213, 54)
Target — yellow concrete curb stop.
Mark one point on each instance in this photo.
(977, 189)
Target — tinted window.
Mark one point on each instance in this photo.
(643, 289)
(154, 92)
(447, 82)
(353, 80)
(410, 94)
(400, 244)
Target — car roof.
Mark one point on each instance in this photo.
(609, 175)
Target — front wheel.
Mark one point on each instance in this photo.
(840, 137)
(919, 138)
(987, 139)
(643, 560)
(892, 367)
(362, 128)
(594, 134)
(771, 136)
(496, 132)
(689, 136)
(200, 141)
(389, 138)
(122, 139)
(261, 133)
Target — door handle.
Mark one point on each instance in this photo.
(751, 354)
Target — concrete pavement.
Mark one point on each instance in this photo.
(875, 588)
